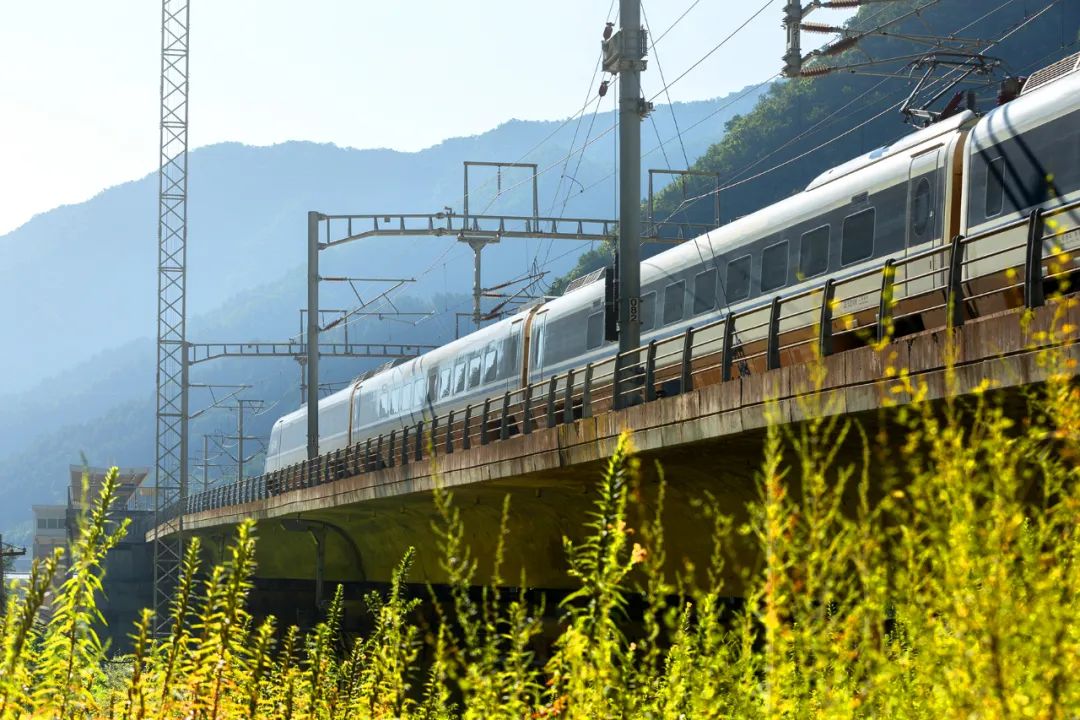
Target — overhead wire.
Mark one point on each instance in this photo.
(706, 56)
(661, 92)
(667, 92)
(938, 81)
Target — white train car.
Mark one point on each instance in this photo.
(1021, 156)
(482, 364)
(886, 204)
(966, 175)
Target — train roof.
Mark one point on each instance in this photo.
(905, 143)
(1051, 73)
(1047, 95)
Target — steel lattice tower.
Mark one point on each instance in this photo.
(171, 453)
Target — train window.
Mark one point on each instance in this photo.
(474, 370)
(384, 404)
(705, 291)
(921, 210)
(459, 376)
(444, 383)
(648, 311)
(814, 252)
(737, 286)
(674, 297)
(858, 240)
(491, 364)
(995, 186)
(774, 266)
(594, 331)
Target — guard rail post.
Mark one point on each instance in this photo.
(552, 387)
(435, 432)
(391, 448)
(586, 392)
(1034, 294)
(526, 413)
(448, 446)
(727, 351)
(378, 453)
(465, 444)
(405, 445)
(772, 356)
(368, 462)
(885, 302)
(485, 415)
(418, 450)
(504, 428)
(825, 338)
(686, 379)
(650, 372)
(955, 298)
(568, 398)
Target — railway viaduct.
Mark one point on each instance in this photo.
(348, 521)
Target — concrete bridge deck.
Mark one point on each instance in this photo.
(709, 438)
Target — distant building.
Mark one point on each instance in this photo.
(50, 529)
(130, 480)
(128, 582)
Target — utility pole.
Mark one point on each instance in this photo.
(793, 17)
(205, 462)
(478, 242)
(170, 476)
(6, 551)
(241, 405)
(624, 54)
(312, 364)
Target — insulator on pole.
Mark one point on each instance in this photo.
(820, 28)
(838, 47)
(793, 15)
(604, 87)
(817, 71)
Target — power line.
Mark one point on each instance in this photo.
(716, 47)
(661, 92)
(1008, 33)
(695, 125)
(667, 94)
(577, 127)
(811, 129)
(677, 21)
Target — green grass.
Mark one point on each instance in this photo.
(934, 576)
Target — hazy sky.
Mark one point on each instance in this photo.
(79, 81)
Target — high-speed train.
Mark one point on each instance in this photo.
(967, 175)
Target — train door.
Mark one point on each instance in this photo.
(925, 215)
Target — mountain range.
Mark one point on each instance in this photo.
(78, 284)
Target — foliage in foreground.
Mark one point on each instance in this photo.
(935, 575)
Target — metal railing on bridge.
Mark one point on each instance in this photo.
(846, 310)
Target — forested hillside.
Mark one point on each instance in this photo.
(801, 128)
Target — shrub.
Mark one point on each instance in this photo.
(934, 576)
